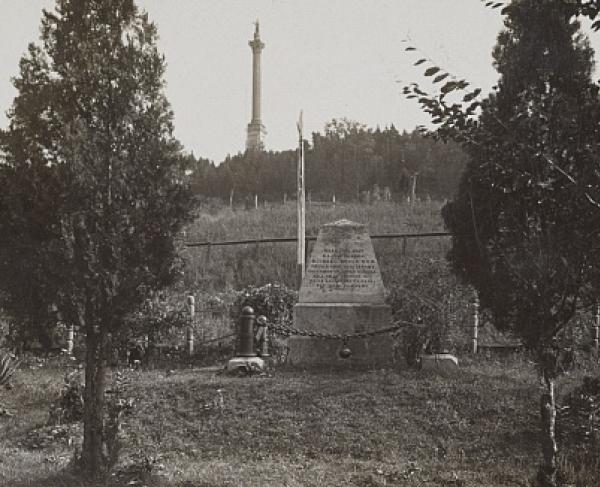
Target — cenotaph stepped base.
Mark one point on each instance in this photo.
(342, 293)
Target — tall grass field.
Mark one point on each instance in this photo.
(218, 268)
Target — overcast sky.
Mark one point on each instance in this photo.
(332, 59)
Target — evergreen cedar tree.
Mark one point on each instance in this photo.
(94, 188)
(526, 220)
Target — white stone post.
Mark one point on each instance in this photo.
(597, 328)
(475, 322)
(190, 329)
(70, 339)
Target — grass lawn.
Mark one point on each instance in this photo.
(294, 428)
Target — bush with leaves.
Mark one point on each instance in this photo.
(274, 301)
(578, 419)
(8, 366)
(120, 404)
(430, 297)
(578, 431)
(68, 408)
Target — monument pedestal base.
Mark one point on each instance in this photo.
(342, 319)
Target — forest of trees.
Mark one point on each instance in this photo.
(346, 161)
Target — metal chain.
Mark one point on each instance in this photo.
(223, 337)
(290, 330)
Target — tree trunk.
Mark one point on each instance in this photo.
(92, 456)
(547, 474)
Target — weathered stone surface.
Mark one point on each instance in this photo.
(243, 362)
(341, 319)
(342, 267)
(439, 361)
(342, 293)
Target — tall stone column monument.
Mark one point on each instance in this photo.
(256, 130)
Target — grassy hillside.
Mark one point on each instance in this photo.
(294, 428)
(234, 267)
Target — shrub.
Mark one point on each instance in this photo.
(429, 293)
(578, 430)
(68, 408)
(578, 424)
(8, 366)
(162, 319)
(119, 404)
(274, 301)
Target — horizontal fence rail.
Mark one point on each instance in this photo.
(311, 238)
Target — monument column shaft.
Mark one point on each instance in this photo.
(256, 130)
(256, 84)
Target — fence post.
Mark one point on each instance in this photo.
(190, 329)
(475, 322)
(597, 328)
(70, 339)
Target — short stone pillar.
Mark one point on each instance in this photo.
(246, 354)
(246, 333)
(342, 293)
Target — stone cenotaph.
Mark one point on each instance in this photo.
(342, 293)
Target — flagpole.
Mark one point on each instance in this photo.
(301, 207)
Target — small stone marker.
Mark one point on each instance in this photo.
(439, 361)
(341, 293)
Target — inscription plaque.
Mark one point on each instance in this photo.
(343, 267)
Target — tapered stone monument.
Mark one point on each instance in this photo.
(342, 293)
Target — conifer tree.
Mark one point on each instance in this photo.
(526, 219)
(94, 192)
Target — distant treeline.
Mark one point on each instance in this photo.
(348, 161)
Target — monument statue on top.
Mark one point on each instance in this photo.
(256, 130)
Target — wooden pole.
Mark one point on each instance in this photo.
(301, 208)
